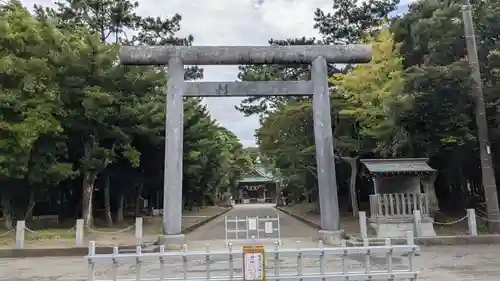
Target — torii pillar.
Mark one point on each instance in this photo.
(176, 57)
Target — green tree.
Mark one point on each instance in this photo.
(345, 24)
(373, 92)
(29, 102)
(107, 20)
(79, 130)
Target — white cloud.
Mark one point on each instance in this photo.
(230, 22)
(234, 22)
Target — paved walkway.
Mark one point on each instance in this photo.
(437, 263)
(290, 227)
(460, 263)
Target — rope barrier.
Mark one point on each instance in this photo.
(32, 231)
(452, 222)
(7, 232)
(41, 233)
(111, 232)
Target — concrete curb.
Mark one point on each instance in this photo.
(489, 239)
(298, 217)
(306, 221)
(82, 251)
(193, 227)
(422, 241)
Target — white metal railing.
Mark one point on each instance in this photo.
(398, 204)
(252, 229)
(314, 264)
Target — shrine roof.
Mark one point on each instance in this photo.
(258, 175)
(398, 165)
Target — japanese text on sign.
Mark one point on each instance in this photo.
(252, 224)
(268, 227)
(254, 263)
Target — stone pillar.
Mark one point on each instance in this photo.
(376, 188)
(428, 183)
(172, 189)
(330, 231)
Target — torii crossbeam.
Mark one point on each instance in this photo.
(176, 57)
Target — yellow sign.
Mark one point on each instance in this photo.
(254, 263)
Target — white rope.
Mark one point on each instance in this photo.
(111, 232)
(451, 222)
(38, 233)
(7, 232)
(32, 231)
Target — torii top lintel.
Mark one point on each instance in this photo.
(235, 55)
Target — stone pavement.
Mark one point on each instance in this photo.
(460, 263)
(437, 263)
(290, 227)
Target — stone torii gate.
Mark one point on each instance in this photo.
(176, 57)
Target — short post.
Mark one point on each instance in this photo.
(79, 232)
(20, 229)
(279, 226)
(362, 225)
(225, 228)
(237, 236)
(138, 231)
(410, 239)
(471, 218)
(247, 226)
(417, 221)
(91, 264)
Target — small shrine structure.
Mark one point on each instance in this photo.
(257, 186)
(401, 186)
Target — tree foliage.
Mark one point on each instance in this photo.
(414, 99)
(82, 133)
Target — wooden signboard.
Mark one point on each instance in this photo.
(254, 263)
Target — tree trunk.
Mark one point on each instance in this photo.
(119, 210)
(6, 211)
(203, 201)
(31, 205)
(87, 192)
(158, 206)
(138, 197)
(150, 203)
(64, 204)
(107, 201)
(78, 209)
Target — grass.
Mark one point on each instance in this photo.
(41, 235)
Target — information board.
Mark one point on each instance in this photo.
(254, 263)
(268, 227)
(252, 223)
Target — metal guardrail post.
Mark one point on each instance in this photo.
(278, 256)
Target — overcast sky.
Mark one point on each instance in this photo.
(234, 22)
